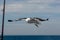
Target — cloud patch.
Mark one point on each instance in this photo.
(33, 6)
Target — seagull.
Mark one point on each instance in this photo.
(34, 20)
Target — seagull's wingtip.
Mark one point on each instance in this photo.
(47, 19)
(10, 20)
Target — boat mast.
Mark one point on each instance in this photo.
(3, 20)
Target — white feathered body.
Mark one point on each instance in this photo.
(30, 20)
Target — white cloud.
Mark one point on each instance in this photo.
(1, 8)
(32, 6)
(13, 7)
(40, 1)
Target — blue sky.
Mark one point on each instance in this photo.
(31, 8)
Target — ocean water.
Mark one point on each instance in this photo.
(16, 37)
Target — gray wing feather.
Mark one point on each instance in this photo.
(16, 20)
(20, 19)
(41, 19)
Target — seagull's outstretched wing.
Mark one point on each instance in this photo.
(42, 19)
(20, 19)
(16, 19)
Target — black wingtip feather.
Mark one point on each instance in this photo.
(10, 20)
(47, 19)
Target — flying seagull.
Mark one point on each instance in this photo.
(33, 20)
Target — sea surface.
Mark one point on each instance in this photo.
(18, 37)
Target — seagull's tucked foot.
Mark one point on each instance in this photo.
(36, 25)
